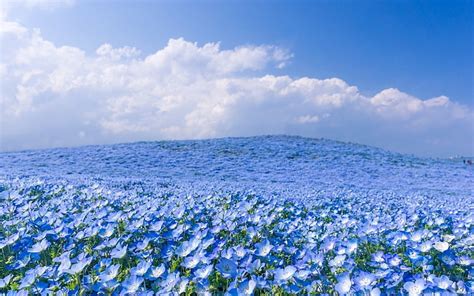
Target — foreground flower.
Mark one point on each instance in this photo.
(365, 280)
(170, 282)
(39, 246)
(5, 281)
(247, 287)
(227, 268)
(284, 274)
(132, 284)
(344, 284)
(118, 252)
(263, 248)
(110, 273)
(415, 288)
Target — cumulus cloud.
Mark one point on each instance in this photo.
(55, 95)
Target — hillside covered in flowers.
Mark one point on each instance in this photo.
(273, 215)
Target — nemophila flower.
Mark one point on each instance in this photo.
(328, 244)
(110, 273)
(186, 248)
(441, 246)
(207, 243)
(337, 261)
(374, 292)
(344, 283)
(5, 281)
(136, 225)
(413, 254)
(263, 248)
(247, 287)
(170, 282)
(39, 246)
(28, 279)
(240, 251)
(227, 268)
(79, 265)
(378, 257)
(465, 260)
(255, 266)
(192, 261)
(132, 284)
(284, 274)
(167, 251)
(112, 242)
(318, 259)
(107, 231)
(416, 236)
(415, 288)
(364, 280)
(425, 246)
(302, 274)
(177, 232)
(40, 270)
(393, 279)
(156, 227)
(118, 252)
(182, 285)
(448, 257)
(443, 282)
(141, 268)
(22, 262)
(351, 246)
(156, 272)
(448, 237)
(204, 271)
(395, 260)
(10, 240)
(114, 217)
(143, 244)
(65, 262)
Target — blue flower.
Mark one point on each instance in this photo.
(247, 287)
(141, 268)
(443, 282)
(170, 282)
(110, 273)
(284, 274)
(79, 265)
(39, 246)
(415, 288)
(204, 271)
(118, 252)
(5, 281)
(132, 284)
(364, 280)
(263, 248)
(191, 262)
(28, 279)
(344, 284)
(156, 272)
(65, 262)
(227, 268)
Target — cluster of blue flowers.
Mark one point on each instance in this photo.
(87, 235)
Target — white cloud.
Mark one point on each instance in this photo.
(58, 96)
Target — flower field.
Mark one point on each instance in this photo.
(242, 216)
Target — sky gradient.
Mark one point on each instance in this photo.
(403, 72)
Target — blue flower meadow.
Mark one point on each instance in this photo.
(242, 216)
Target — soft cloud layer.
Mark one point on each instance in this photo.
(60, 96)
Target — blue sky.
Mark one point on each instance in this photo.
(394, 74)
(422, 47)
